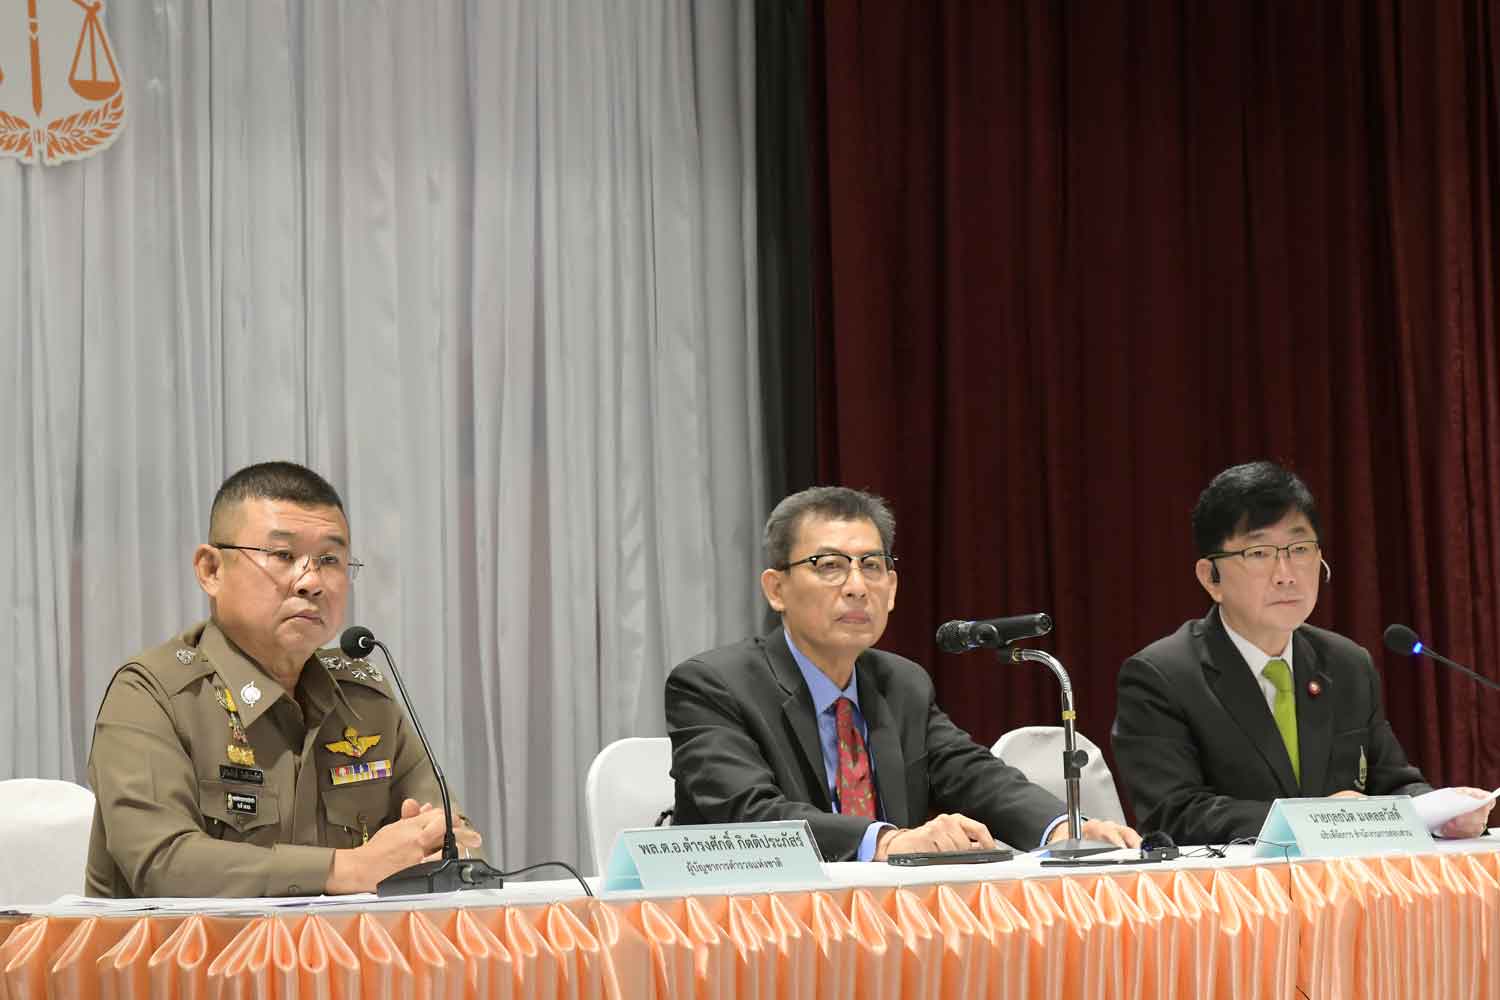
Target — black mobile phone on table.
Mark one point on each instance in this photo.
(921, 859)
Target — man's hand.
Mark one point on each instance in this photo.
(467, 838)
(1470, 824)
(394, 846)
(1100, 829)
(1347, 793)
(947, 832)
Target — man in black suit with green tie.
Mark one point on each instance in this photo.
(1250, 704)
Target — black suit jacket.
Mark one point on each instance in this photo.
(745, 748)
(1198, 748)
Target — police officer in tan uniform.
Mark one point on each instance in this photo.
(240, 759)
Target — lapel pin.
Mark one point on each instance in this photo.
(1314, 688)
(250, 694)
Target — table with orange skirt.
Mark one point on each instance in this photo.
(1391, 926)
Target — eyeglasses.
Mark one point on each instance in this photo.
(284, 565)
(833, 568)
(1260, 559)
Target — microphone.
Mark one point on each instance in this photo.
(450, 873)
(991, 633)
(1401, 639)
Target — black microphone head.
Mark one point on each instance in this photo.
(953, 637)
(1043, 623)
(984, 634)
(1400, 639)
(357, 642)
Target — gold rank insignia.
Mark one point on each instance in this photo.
(353, 744)
(240, 752)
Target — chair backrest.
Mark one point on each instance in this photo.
(1037, 752)
(44, 839)
(629, 785)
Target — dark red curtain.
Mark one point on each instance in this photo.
(1072, 259)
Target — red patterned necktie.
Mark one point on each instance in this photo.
(856, 794)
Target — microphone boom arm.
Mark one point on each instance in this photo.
(449, 873)
(1487, 682)
(450, 843)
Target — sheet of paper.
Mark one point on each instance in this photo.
(1438, 807)
(514, 892)
(95, 905)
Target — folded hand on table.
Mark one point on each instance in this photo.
(393, 847)
(945, 832)
(466, 836)
(1100, 829)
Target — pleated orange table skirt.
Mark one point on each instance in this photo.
(1397, 928)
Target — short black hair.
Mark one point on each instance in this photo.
(1249, 497)
(285, 481)
(836, 503)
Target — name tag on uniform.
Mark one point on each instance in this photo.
(238, 802)
(244, 775)
(353, 774)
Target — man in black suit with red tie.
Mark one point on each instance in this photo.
(1249, 704)
(810, 722)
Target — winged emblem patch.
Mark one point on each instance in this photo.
(353, 744)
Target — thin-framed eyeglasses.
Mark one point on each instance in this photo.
(833, 568)
(1262, 558)
(285, 565)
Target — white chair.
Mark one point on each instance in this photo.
(1037, 752)
(629, 786)
(44, 839)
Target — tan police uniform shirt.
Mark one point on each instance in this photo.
(191, 805)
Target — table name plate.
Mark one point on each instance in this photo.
(685, 858)
(1336, 828)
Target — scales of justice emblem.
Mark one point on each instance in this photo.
(61, 94)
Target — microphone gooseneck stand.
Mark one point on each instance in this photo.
(1075, 845)
(450, 873)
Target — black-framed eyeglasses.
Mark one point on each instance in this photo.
(833, 567)
(286, 565)
(1261, 558)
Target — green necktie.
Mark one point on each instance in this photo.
(1285, 709)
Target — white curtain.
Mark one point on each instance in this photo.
(488, 267)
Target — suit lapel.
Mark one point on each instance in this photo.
(1314, 717)
(797, 709)
(1242, 698)
(885, 744)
